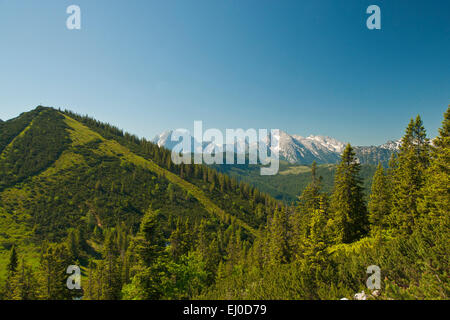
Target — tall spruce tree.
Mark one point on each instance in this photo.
(55, 258)
(11, 269)
(179, 239)
(380, 199)
(309, 201)
(435, 202)
(349, 214)
(148, 247)
(310, 197)
(112, 265)
(13, 260)
(409, 175)
(150, 239)
(278, 238)
(24, 285)
(434, 220)
(316, 243)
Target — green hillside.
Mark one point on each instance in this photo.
(76, 191)
(58, 173)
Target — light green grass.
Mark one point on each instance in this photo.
(80, 134)
(13, 230)
(9, 147)
(294, 170)
(13, 225)
(113, 148)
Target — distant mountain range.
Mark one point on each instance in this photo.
(296, 149)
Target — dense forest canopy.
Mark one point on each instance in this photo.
(75, 191)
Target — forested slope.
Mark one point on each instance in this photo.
(292, 179)
(77, 191)
(62, 173)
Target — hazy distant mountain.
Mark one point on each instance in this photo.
(165, 140)
(304, 150)
(297, 149)
(392, 145)
(168, 141)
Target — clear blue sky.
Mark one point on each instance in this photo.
(306, 67)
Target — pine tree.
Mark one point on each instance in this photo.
(179, 239)
(412, 162)
(11, 273)
(150, 240)
(171, 192)
(202, 239)
(13, 260)
(234, 248)
(55, 259)
(435, 203)
(349, 213)
(73, 243)
(112, 285)
(380, 199)
(315, 254)
(309, 202)
(310, 198)
(434, 221)
(88, 289)
(212, 259)
(148, 247)
(278, 245)
(24, 285)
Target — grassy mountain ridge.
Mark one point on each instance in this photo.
(59, 173)
(78, 191)
(11, 128)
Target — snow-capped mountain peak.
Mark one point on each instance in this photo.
(393, 145)
(163, 139)
(299, 149)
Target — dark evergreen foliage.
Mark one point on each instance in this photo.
(141, 234)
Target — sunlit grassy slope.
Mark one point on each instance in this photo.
(17, 223)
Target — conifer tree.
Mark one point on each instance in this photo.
(315, 245)
(11, 269)
(150, 240)
(434, 219)
(435, 203)
(234, 248)
(112, 285)
(55, 259)
(412, 162)
(310, 198)
(349, 213)
(309, 201)
(212, 260)
(380, 199)
(13, 260)
(179, 242)
(24, 285)
(202, 239)
(148, 246)
(278, 245)
(73, 243)
(88, 289)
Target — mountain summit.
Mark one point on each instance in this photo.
(304, 150)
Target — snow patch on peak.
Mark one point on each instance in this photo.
(393, 145)
(162, 139)
(292, 148)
